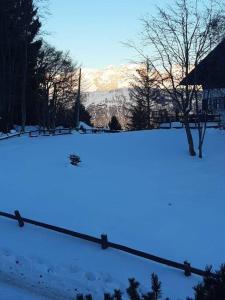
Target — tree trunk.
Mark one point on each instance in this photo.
(189, 136)
(200, 151)
(24, 88)
(77, 104)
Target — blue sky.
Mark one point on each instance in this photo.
(93, 29)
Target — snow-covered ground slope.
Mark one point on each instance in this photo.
(141, 188)
(9, 292)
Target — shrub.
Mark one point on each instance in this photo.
(74, 159)
(211, 288)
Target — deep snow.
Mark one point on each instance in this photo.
(141, 188)
(9, 292)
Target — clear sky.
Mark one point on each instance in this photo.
(93, 29)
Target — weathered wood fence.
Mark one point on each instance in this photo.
(105, 243)
(48, 132)
(97, 130)
(6, 137)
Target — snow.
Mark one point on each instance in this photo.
(12, 133)
(9, 292)
(85, 126)
(109, 98)
(141, 188)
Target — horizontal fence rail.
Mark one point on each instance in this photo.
(97, 130)
(47, 132)
(6, 137)
(105, 243)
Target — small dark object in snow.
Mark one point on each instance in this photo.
(74, 159)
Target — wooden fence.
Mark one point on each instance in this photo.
(212, 121)
(48, 132)
(105, 243)
(10, 136)
(97, 130)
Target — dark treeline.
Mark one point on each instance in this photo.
(38, 83)
(19, 48)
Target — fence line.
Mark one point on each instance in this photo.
(105, 243)
(10, 136)
(47, 132)
(98, 130)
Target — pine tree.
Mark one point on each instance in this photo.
(19, 48)
(132, 290)
(156, 286)
(143, 94)
(84, 115)
(138, 116)
(114, 124)
(212, 287)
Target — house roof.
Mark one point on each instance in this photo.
(210, 72)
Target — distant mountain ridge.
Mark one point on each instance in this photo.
(109, 78)
(107, 93)
(102, 105)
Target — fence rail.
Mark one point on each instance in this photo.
(105, 243)
(10, 136)
(47, 132)
(97, 130)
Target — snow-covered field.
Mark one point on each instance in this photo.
(141, 188)
(9, 292)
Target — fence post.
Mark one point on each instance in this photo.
(187, 269)
(104, 241)
(19, 218)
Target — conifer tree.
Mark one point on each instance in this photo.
(114, 124)
(19, 48)
(143, 93)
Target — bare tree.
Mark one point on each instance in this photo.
(59, 84)
(78, 102)
(178, 38)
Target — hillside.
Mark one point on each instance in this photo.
(141, 188)
(103, 105)
(107, 94)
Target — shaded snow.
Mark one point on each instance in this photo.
(11, 292)
(142, 189)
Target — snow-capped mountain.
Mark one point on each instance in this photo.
(109, 78)
(107, 93)
(102, 105)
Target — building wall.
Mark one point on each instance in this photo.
(214, 99)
